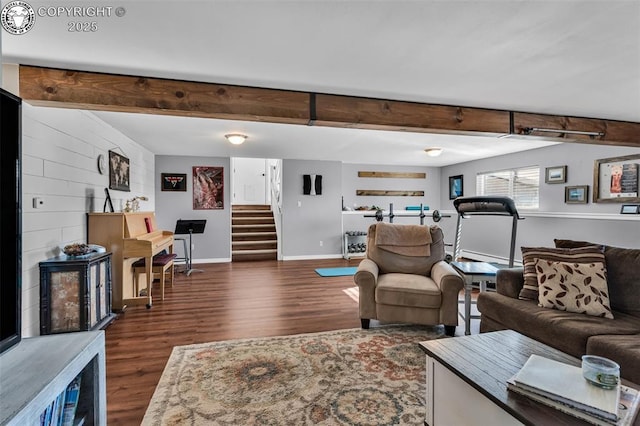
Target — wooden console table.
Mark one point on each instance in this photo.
(467, 381)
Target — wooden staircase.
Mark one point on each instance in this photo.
(253, 233)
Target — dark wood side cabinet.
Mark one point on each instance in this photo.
(75, 293)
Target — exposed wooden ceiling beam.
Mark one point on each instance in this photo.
(367, 113)
(611, 132)
(110, 92)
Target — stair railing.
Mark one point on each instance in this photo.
(276, 200)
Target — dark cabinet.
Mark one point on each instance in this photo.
(75, 293)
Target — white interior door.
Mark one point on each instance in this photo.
(249, 181)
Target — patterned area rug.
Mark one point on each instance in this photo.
(345, 377)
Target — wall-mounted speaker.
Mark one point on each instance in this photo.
(312, 184)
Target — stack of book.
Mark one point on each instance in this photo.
(62, 410)
(563, 387)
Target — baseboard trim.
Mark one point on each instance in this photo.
(313, 257)
(214, 260)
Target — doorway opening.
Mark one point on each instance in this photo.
(255, 209)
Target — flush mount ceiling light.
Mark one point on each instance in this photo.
(236, 138)
(433, 152)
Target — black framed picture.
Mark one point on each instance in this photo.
(576, 194)
(118, 172)
(456, 187)
(173, 181)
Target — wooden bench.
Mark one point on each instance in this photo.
(162, 262)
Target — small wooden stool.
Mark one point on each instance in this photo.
(161, 263)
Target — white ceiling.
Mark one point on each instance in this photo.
(578, 57)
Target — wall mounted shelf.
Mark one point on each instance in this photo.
(384, 193)
(400, 175)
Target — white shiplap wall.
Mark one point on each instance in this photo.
(59, 165)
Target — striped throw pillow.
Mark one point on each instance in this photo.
(588, 254)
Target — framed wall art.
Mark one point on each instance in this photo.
(556, 174)
(118, 172)
(576, 194)
(456, 187)
(173, 181)
(615, 180)
(208, 188)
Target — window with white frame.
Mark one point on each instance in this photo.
(521, 184)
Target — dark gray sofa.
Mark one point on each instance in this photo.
(575, 334)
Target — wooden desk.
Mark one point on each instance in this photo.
(467, 381)
(472, 272)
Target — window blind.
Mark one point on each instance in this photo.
(521, 184)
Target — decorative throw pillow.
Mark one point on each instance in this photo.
(623, 275)
(589, 254)
(573, 287)
(572, 243)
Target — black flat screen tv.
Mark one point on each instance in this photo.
(11, 227)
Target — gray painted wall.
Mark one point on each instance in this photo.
(351, 182)
(490, 235)
(215, 244)
(309, 219)
(356, 221)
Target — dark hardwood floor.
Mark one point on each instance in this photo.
(226, 301)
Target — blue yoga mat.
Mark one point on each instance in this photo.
(337, 272)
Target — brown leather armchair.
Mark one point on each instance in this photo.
(404, 278)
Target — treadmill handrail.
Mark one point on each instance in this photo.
(490, 206)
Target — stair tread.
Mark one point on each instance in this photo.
(247, 243)
(256, 251)
(236, 217)
(261, 212)
(254, 234)
(244, 207)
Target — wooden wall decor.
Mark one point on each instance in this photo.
(404, 175)
(139, 94)
(384, 192)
